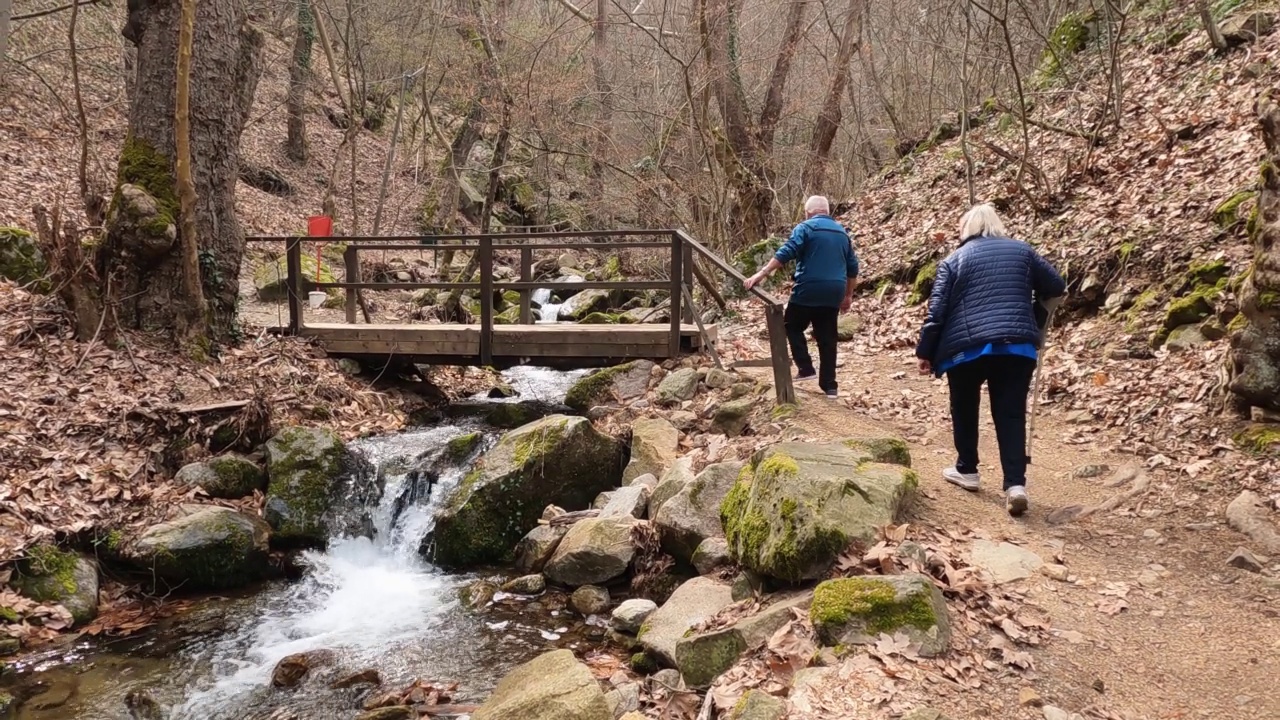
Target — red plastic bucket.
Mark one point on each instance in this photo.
(319, 226)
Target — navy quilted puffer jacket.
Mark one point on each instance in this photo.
(985, 292)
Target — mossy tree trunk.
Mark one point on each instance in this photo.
(295, 147)
(141, 260)
(1256, 350)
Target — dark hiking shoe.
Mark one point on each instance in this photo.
(811, 375)
(1015, 500)
(833, 394)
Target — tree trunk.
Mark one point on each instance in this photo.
(1256, 350)
(604, 118)
(1211, 26)
(190, 316)
(299, 71)
(824, 132)
(141, 260)
(772, 110)
(6, 9)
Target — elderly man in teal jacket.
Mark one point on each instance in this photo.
(826, 272)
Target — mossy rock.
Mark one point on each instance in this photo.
(461, 447)
(207, 548)
(1259, 438)
(271, 280)
(703, 657)
(1228, 214)
(304, 466)
(556, 460)
(732, 417)
(893, 451)
(510, 316)
(797, 506)
(599, 318)
(857, 610)
(1190, 309)
(625, 382)
(229, 476)
(552, 685)
(48, 574)
(1070, 37)
(923, 284)
(21, 261)
(595, 551)
(759, 705)
(692, 515)
(749, 260)
(584, 304)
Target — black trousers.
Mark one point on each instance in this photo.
(1008, 379)
(797, 319)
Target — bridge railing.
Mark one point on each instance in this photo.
(681, 247)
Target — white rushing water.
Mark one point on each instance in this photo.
(548, 311)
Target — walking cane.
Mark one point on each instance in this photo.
(1050, 307)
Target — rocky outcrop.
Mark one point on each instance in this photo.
(798, 505)
(691, 603)
(654, 448)
(558, 459)
(857, 610)
(584, 303)
(205, 548)
(594, 551)
(693, 514)
(228, 476)
(703, 657)
(554, 685)
(621, 383)
(304, 466)
(50, 575)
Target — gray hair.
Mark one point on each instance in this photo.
(816, 204)
(981, 221)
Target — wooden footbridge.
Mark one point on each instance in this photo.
(490, 344)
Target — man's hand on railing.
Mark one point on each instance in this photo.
(753, 281)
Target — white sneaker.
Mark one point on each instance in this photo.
(968, 481)
(1015, 500)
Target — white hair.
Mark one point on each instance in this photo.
(816, 204)
(981, 221)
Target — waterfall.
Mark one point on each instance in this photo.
(548, 312)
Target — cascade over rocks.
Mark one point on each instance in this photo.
(559, 459)
(304, 466)
(692, 515)
(205, 548)
(554, 685)
(798, 505)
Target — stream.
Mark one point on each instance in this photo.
(373, 600)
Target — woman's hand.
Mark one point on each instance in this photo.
(925, 366)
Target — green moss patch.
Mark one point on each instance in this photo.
(922, 286)
(1227, 214)
(594, 387)
(884, 450)
(1259, 438)
(872, 601)
(21, 261)
(462, 446)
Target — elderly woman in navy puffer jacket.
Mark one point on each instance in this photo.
(983, 325)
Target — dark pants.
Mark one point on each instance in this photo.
(1008, 379)
(798, 318)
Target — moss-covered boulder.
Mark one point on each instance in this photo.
(205, 548)
(228, 476)
(554, 685)
(678, 386)
(847, 327)
(21, 260)
(732, 417)
(654, 448)
(691, 603)
(756, 256)
(585, 303)
(271, 280)
(923, 283)
(693, 514)
(798, 505)
(558, 459)
(893, 451)
(594, 551)
(702, 657)
(50, 575)
(536, 548)
(619, 383)
(857, 610)
(304, 466)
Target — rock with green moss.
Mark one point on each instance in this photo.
(228, 476)
(751, 259)
(1070, 37)
(21, 261)
(558, 459)
(271, 280)
(599, 318)
(584, 304)
(205, 548)
(759, 705)
(692, 515)
(893, 451)
(304, 466)
(678, 386)
(50, 575)
(925, 713)
(847, 327)
(675, 479)
(691, 603)
(461, 447)
(923, 283)
(1185, 338)
(1228, 214)
(857, 610)
(798, 505)
(615, 384)
(553, 685)
(1260, 438)
(701, 658)
(732, 417)
(594, 551)
(654, 444)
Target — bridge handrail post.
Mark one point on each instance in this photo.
(526, 275)
(351, 264)
(293, 281)
(486, 301)
(677, 278)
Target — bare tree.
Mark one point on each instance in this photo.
(304, 36)
(824, 132)
(1211, 26)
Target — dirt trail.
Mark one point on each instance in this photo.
(1198, 639)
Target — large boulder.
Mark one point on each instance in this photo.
(21, 261)
(732, 417)
(304, 466)
(206, 548)
(584, 303)
(50, 575)
(799, 505)
(693, 514)
(677, 387)
(701, 658)
(857, 610)
(622, 382)
(554, 685)
(271, 279)
(559, 459)
(536, 548)
(676, 478)
(691, 603)
(654, 447)
(631, 500)
(228, 476)
(594, 551)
